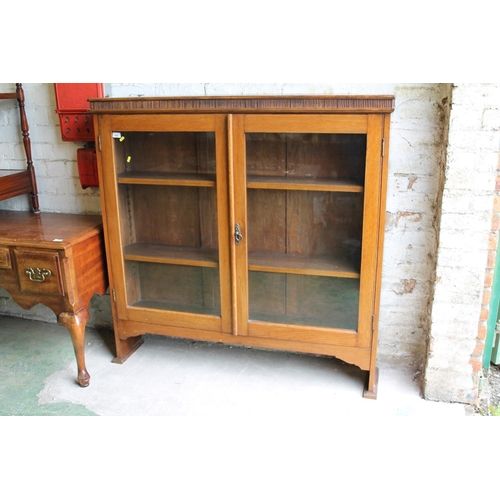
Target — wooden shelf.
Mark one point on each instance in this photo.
(302, 183)
(258, 261)
(162, 254)
(168, 306)
(348, 321)
(301, 264)
(253, 182)
(167, 179)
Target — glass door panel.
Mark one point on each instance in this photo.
(305, 195)
(169, 220)
(304, 300)
(182, 153)
(327, 158)
(191, 289)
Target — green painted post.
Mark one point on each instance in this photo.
(495, 353)
(492, 355)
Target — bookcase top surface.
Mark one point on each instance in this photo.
(245, 104)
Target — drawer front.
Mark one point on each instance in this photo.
(39, 272)
(5, 262)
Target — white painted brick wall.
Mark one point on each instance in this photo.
(54, 160)
(416, 152)
(415, 165)
(464, 232)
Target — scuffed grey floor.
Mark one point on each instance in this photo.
(176, 377)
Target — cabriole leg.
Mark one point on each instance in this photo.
(75, 323)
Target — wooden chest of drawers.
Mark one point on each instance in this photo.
(57, 260)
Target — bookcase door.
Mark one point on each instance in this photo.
(168, 226)
(306, 200)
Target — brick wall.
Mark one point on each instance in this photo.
(416, 160)
(54, 160)
(467, 241)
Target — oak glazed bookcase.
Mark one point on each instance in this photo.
(246, 220)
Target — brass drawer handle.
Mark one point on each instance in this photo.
(37, 274)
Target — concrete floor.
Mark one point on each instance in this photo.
(176, 377)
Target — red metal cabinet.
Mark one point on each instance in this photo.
(77, 124)
(87, 167)
(72, 106)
